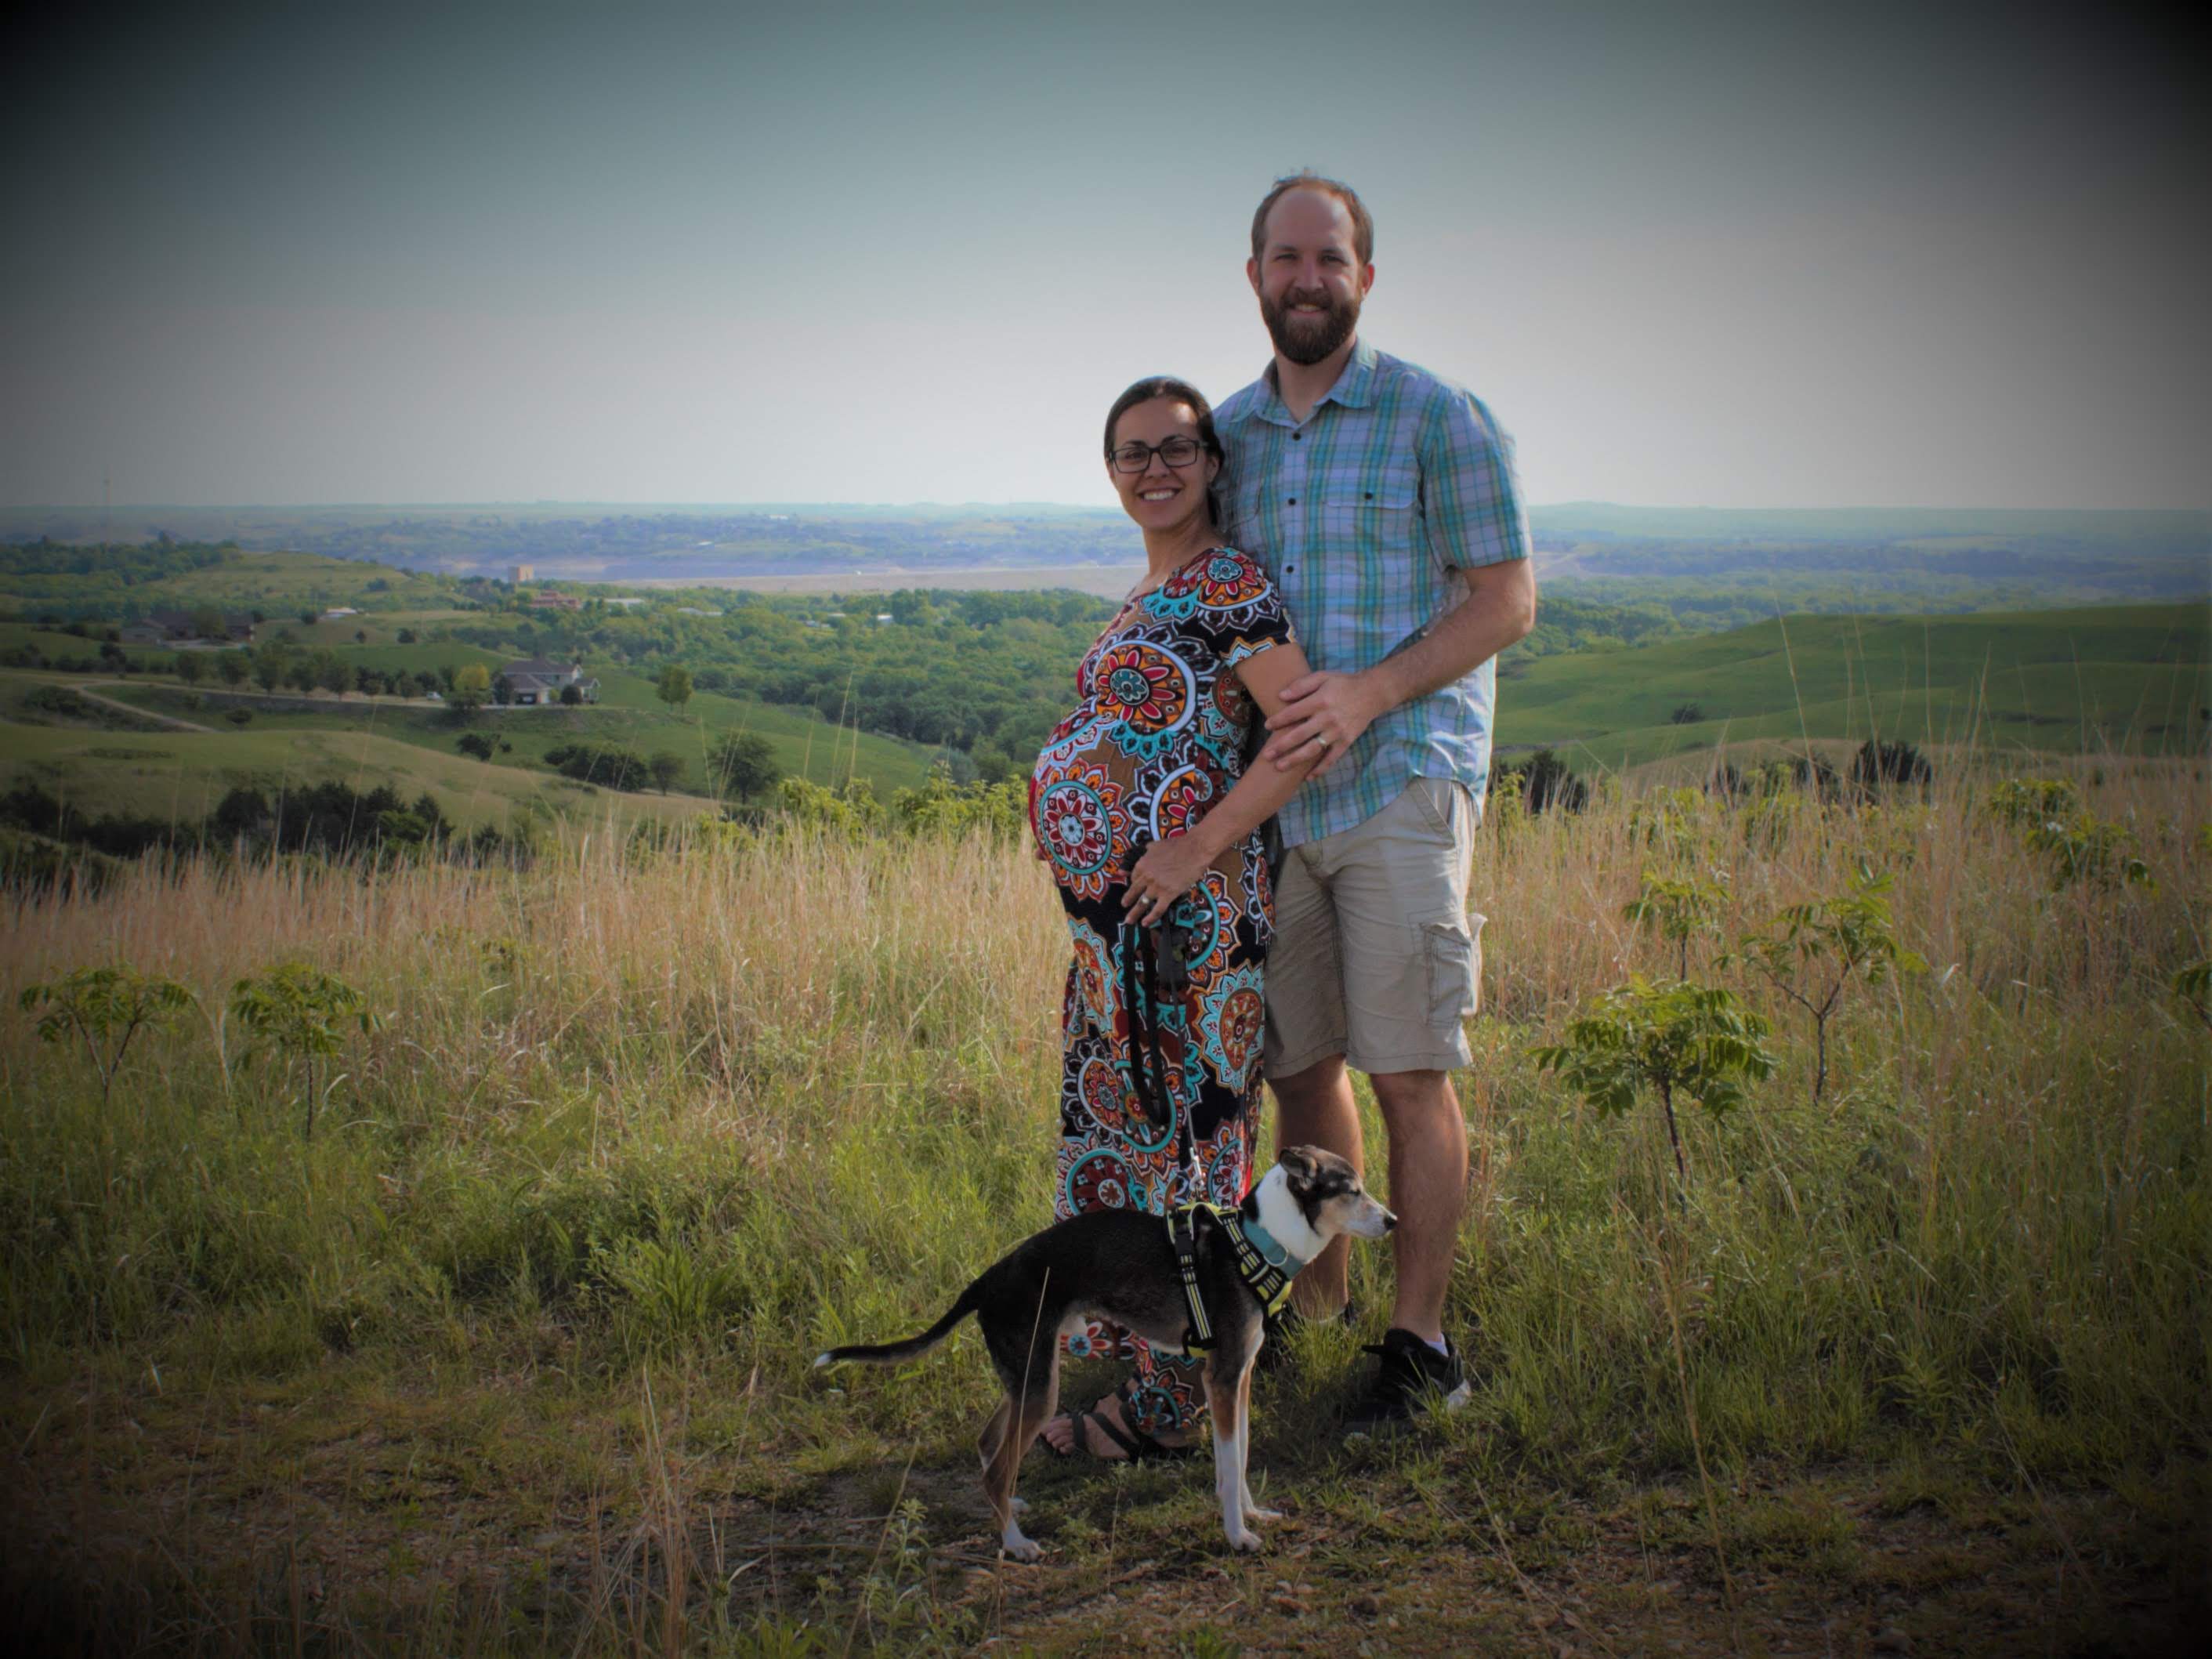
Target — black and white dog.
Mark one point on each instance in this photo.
(1201, 1289)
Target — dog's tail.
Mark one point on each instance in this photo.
(894, 1353)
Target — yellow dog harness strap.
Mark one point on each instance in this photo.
(1261, 1263)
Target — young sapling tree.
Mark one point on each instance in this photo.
(302, 1014)
(1811, 952)
(1678, 908)
(105, 1008)
(1695, 1041)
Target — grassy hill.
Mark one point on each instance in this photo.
(275, 583)
(629, 714)
(2118, 679)
(2125, 679)
(181, 775)
(363, 742)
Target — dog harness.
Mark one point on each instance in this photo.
(1262, 1263)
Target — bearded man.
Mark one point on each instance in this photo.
(1382, 500)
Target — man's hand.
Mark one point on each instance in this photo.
(1170, 868)
(1323, 712)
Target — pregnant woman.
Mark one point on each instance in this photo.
(1142, 807)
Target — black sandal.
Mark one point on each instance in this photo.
(1137, 1446)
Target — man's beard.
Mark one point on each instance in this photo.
(1306, 340)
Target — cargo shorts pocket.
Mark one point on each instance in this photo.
(1452, 944)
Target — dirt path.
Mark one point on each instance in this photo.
(84, 689)
(1391, 1557)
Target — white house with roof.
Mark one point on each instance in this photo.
(534, 681)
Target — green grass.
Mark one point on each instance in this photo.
(512, 1352)
(2123, 679)
(384, 651)
(2131, 680)
(181, 776)
(281, 584)
(629, 714)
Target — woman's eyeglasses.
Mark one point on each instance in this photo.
(1175, 452)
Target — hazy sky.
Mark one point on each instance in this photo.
(1740, 255)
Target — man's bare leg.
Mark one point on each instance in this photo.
(1315, 1107)
(1428, 1189)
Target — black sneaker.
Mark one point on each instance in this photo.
(1275, 1349)
(1412, 1379)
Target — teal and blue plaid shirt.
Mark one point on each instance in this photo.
(1365, 516)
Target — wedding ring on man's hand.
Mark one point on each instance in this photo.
(1321, 739)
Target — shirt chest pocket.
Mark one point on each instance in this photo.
(1376, 506)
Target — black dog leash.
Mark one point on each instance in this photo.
(1155, 967)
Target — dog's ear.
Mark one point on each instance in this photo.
(1300, 1163)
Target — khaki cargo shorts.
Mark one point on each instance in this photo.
(1375, 956)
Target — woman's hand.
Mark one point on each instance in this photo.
(1170, 868)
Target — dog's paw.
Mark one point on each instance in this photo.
(1019, 1548)
(1262, 1515)
(1247, 1540)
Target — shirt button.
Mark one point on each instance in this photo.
(1298, 437)
(1290, 569)
(1294, 500)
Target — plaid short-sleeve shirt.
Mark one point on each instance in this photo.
(1365, 514)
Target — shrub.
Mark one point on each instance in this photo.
(605, 764)
(1544, 781)
(1891, 763)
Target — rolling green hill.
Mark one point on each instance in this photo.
(629, 714)
(275, 583)
(2134, 680)
(179, 776)
(2126, 679)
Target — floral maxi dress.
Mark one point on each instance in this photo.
(1157, 739)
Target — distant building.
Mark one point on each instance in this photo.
(555, 602)
(626, 602)
(534, 681)
(519, 573)
(695, 610)
(337, 611)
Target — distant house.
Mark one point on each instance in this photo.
(695, 610)
(625, 602)
(177, 627)
(337, 611)
(543, 601)
(534, 681)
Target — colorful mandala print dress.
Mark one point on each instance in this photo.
(1157, 740)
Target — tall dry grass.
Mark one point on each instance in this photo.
(758, 1092)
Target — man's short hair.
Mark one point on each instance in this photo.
(1362, 222)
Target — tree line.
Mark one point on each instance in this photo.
(329, 819)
